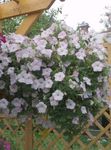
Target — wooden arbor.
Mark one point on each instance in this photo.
(32, 8)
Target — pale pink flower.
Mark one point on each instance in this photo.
(74, 38)
(59, 76)
(45, 34)
(18, 38)
(58, 95)
(13, 78)
(18, 102)
(25, 53)
(63, 44)
(10, 70)
(5, 60)
(13, 88)
(62, 35)
(82, 85)
(46, 72)
(73, 84)
(25, 77)
(52, 40)
(35, 84)
(75, 120)
(41, 43)
(83, 110)
(53, 102)
(62, 51)
(38, 84)
(87, 80)
(46, 52)
(41, 83)
(41, 107)
(70, 104)
(3, 103)
(97, 66)
(48, 83)
(13, 48)
(15, 111)
(91, 117)
(81, 54)
(75, 74)
(35, 65)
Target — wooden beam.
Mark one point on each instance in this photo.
(12, 9)
(0, 26)
(27, 23)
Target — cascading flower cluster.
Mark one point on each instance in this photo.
(61, 73)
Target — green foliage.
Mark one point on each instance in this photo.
(46, 19)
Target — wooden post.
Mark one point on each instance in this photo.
(0, 26)
(28, 145)
(28, 22)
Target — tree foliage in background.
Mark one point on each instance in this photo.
(106, 18)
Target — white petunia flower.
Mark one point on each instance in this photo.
(75, 120)
(62, 51)
(81, 54)
(59, 76)
(18, 38)
(82, 85)
(87, 80)
(58, 95)
(70, 104)
(62, 35)
(3, 103)
(10, 70)
(53, 102)
(35, 84)
(48, 83)
(35, 65)
(73, 84)
(46, 52)
(13, 88)
(25, 77)
(41, 107)
(97, 66)
(46, 72)
(83, 110)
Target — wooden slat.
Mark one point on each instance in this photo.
(98, 136)
(0, 26)
(12, 9)
(28, 22)
(28, 135)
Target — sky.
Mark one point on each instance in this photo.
(77, 11)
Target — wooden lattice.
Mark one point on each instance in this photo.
(96, 136)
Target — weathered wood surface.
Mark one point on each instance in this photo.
(12, 9)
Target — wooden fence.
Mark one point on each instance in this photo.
(30, 136)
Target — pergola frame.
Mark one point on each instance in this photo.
(32, 8)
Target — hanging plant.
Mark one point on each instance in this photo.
(61, 73)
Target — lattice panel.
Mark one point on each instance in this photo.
(95, 137)
(13, 132)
